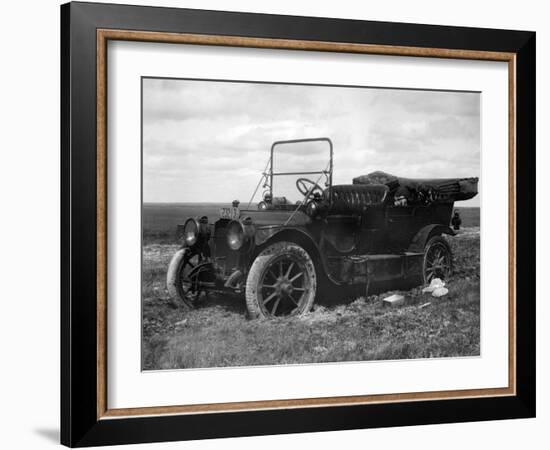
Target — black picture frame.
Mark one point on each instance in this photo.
(80, 425)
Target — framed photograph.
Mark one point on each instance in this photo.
(276, 224)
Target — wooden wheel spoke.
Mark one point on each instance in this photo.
(292, 299)
(287, 274)
(295, 277)
(275, 305)
(270, 297)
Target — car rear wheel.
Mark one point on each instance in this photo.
(438, 260)
(281, 282)
(178, 283)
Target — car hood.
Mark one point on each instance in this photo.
(276, 218)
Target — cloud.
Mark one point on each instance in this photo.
(210, 140)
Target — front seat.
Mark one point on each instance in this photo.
(356, 198)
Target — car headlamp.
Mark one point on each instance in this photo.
(195, 231)
(316, 208)
(312, 208)
(190, 232)
(235, 235)
(239, 233)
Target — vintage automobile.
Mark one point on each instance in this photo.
(282, 254)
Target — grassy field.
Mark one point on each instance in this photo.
(351, 328)
(160, 219)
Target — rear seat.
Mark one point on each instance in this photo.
(354, 198)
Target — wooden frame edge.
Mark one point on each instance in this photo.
(210, 408)
(512, 200)
(103, 35)
(101, 223)
(289, 44)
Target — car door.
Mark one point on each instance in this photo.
(373, 234)
(401, 227)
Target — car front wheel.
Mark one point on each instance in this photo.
(281, 282)
(178, 283)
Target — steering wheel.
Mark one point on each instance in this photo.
(305, 186)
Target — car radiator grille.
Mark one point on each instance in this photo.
(226, 260)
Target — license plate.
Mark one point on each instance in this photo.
(229, 213)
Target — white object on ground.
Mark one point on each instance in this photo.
(440, 292)
(181, 323)
(394, 300)
(435, 283)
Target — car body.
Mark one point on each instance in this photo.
(283, 254)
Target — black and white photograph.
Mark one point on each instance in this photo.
(282, 224)
(298, 224)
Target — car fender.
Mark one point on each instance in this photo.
(419, 240)
(300, 236)
(264, 234)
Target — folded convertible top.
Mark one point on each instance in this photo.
(445, 189)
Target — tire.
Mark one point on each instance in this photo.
(179, 287)
(282, 281)
(438, 260)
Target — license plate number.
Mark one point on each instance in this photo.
(229, 213)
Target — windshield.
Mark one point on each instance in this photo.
(291, 160)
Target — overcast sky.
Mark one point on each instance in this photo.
(207, 141)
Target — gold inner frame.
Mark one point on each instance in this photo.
(104, 35)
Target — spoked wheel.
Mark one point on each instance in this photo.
(180, 285)
(438, 260)
(281, 282)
